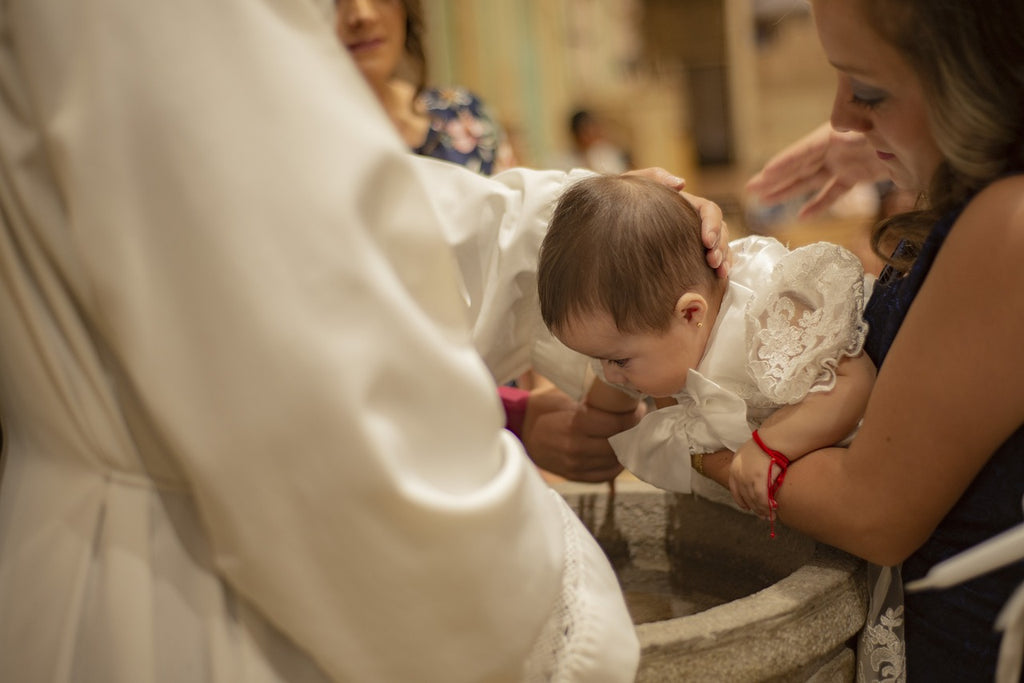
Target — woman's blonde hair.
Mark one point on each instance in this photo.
(969, 57)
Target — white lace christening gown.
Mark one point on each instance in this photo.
(786, 321)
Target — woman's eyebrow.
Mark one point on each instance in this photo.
(850, 69)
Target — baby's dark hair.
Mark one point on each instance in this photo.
(625, 245)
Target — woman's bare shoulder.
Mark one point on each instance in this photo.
(997, 212)
(988, 237)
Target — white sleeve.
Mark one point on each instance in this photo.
(264, 262)
(496, 226)
(804, 319)
(754, 258)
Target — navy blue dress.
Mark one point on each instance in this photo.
(950, 633)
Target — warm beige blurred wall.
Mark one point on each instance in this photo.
(533, 61)
(796, 83)
(511, 53)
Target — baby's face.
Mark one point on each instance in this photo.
(651, 363)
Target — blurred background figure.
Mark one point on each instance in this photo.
(592, 147)
(386, 40)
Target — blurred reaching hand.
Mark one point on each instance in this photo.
(825, 162)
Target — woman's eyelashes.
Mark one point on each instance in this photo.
(867, 103)
(867, 97)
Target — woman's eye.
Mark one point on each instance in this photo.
(866, 102)
(865, 96)
(620, 362)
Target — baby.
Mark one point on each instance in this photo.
(768, 363)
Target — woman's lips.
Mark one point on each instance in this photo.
(365, 45)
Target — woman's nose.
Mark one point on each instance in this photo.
(355, 12)
(846, 115)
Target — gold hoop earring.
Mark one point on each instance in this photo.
(700, 324)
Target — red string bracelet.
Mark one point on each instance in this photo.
(774, 483)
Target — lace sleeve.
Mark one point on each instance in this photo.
(805, 320)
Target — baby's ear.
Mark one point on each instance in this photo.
(692, 307)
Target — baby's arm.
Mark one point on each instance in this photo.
(822, 419)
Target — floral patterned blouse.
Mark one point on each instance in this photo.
(462, 131)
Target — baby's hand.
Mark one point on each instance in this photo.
(748, 479)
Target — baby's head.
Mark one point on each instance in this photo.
(623, 278)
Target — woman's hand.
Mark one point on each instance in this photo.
(714, 231)
(824, 161)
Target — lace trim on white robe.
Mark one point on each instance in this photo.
(882, 645)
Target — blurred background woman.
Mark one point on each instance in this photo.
(385, 38)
